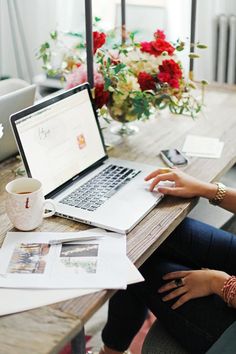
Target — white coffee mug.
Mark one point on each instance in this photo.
(25, 203)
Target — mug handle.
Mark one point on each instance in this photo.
(52, 206)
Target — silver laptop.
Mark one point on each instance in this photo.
(10, 103)
(61, 144)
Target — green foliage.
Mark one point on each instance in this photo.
(75, 34)
(97, 19)
(180, 45)
(107, 83)
(118, 68)
(80, 46)
(44, 53)
(201, 46)
(54, 35)
(193, 55)
(141, 105)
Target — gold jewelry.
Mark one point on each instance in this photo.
(220, 194)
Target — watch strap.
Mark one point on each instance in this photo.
(220, 194)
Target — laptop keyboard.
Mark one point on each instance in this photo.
(100, 188)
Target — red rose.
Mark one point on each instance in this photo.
(170, 72)
(99, 38)
(146, 47)
(160, 46)
(157, 47)
(159, 34)
(101, 96)
(146, 81)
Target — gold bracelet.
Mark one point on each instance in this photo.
(220, 194)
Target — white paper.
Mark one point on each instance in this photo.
(17, 300)
(27, 261)
(201, 146)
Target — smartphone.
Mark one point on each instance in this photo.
(173, 157)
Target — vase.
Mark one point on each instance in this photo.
(125, 126)
(124, 129)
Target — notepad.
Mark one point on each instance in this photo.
(201, 146)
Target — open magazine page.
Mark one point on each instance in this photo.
(27, 260)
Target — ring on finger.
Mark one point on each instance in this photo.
(179, 282)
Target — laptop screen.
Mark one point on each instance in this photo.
(10, 103)
(61, 140)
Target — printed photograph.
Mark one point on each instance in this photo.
(79, 250)
(80, 265)
(79, 258)
(29, 258)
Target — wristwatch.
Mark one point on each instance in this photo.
(220, 194)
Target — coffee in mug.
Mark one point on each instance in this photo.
(25, 203)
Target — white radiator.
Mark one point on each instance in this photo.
(226, 50)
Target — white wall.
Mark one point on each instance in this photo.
(207, 11)
(39, 17)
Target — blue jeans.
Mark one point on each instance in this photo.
(198, 323)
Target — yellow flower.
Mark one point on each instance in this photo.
(129, 84)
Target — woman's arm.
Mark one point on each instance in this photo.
(187, 186)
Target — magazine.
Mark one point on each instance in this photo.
(28, 260)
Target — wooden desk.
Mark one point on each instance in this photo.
(46, 330)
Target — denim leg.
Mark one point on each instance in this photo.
(126, 314)
(198, 323)
(199, 245)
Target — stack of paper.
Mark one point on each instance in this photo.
(202, 146)
(45, 275)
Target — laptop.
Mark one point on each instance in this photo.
(10, 103)
(61, 144)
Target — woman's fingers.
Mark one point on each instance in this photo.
(179, 286)
(179, 291)
(163, 177)
(170, 191)
(182, 300)
(159, 171)
(177, 274)
(168, 286)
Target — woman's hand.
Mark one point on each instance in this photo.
(192, 284)
(185, 186)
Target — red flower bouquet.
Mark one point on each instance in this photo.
(129, 79)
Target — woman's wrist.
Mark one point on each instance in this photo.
(207, 190)
(218, 280)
